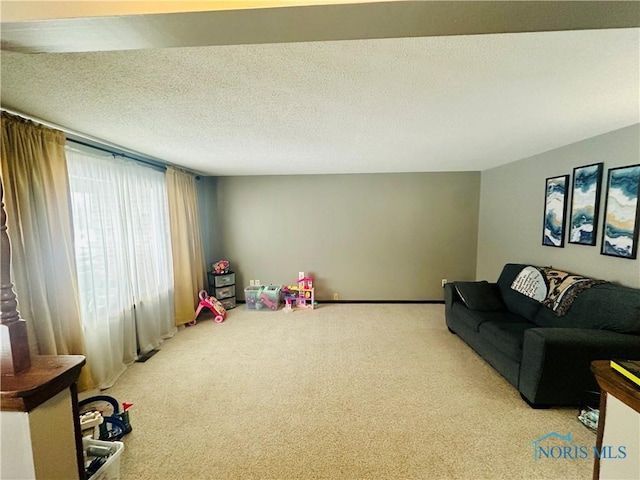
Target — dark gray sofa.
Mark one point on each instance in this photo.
(546, 357)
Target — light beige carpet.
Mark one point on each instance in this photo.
(345, 391)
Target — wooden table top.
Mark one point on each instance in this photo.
(47, 376)
(616, 384)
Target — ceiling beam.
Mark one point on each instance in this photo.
(310, 23)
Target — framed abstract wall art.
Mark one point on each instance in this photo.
(621, 215)
(555, 206)
(585, 203)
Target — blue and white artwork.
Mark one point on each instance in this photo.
(584, 204)
(620, 235)
(554, 211)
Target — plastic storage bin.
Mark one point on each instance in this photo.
(225, 292)
(110, 470)
(224, 279)
(223, 288)
(228, 303)
(265, 297)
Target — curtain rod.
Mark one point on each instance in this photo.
(92, 142)
(156, 165)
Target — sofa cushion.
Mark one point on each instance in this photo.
(515, 301)
(507, 337)
(605, 307)
(472, 319)
(479, 295)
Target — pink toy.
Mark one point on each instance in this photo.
(268, 302)
(303, 295)
(207, 301)
(220, 267)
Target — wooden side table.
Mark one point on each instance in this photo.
(41, 435)
(625, 404)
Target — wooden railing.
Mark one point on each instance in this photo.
(14, 347)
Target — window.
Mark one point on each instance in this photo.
(123, 256)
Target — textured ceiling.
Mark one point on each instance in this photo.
(447, 103)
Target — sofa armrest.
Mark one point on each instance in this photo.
(556, 362)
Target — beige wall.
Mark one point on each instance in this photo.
(366, 237)
(512, 202)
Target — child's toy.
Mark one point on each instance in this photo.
(263, 297)
(301, 295)
(124, 416)
(305, 292)
(220, 267)
(207, 301)
(251, 298)
(290, 293)
(268, 302)
(101, 418)
(90, 422)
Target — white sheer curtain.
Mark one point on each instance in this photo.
(123, 256)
